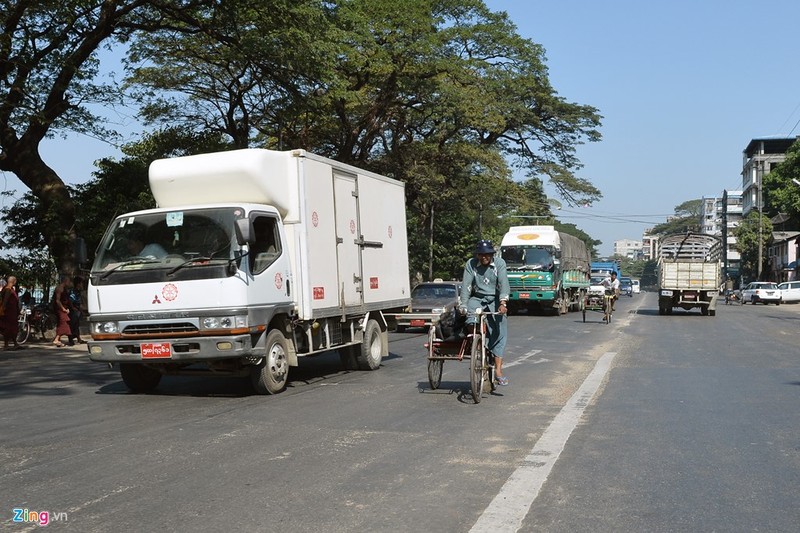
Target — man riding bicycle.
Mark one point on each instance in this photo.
(612, 285)
(485, 285)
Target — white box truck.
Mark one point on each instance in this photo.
(252, 259)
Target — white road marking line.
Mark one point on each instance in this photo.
(522, 359)
(510, 506)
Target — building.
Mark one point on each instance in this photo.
(711, 216)
(649, 246)
(782, 255)
(731, 218)
(759, 159)
(628, 248)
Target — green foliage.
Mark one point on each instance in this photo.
(687, 219)
(649, 277)
(747, 239)
(781, 194)
(117, 187)
(441, 94)
(572, 229)
(49, 85)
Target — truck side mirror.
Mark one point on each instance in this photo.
(244, 231)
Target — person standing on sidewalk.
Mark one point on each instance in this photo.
(76, 310)
(9, 323)
(61, 308)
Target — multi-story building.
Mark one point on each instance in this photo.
(649, 246)
(731, 218)
(759, 158)
(711, 215)
(628, 248)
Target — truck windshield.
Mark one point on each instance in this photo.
(164, 240)
(528, 258)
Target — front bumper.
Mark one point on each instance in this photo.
(533, 294)
(181, 349)
(417, 320)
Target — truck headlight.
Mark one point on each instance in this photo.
(223, 322)
(106, 327)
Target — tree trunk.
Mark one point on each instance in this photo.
(58, 226)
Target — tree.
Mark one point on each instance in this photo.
(686, 219)
(48, 72)
(747, 238)
(441, 94)
(781, 193)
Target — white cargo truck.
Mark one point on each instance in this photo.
(252, 259)
(689, 273)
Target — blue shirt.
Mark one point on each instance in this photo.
(485, 281)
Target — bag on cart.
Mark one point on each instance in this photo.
(451, 326)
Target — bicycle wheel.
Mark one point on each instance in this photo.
(47, 328)
(23, 332)
(477, 368)
(435, 372)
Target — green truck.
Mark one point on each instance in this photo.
(547, 269)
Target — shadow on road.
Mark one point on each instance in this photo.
(39, 370)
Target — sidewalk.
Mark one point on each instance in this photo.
(39, 347)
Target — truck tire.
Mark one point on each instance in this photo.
(139, 378)
(370, 352)
(270, 376)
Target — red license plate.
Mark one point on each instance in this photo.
(156, 350)
(525, 295)
(416, 323)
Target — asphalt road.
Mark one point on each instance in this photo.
(651, 423)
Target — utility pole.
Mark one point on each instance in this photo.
(759, 177)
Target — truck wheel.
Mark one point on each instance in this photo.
(270, 376)
(370, 352)
(139, 378)
(400, 329)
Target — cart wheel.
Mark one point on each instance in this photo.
(435, 372)
(477, 368)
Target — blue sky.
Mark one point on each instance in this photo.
(682, 85)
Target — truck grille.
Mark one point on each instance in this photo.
(152, 329)
(517, 284)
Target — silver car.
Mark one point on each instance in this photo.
(428, 302)
(761, 291)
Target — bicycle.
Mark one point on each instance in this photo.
(38, 320)
(23, 325)
(481, 368)
(608, 305)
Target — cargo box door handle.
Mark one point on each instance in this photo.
(368, 244)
